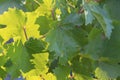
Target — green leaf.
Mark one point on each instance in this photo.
(107, 71)
(35, 45)
(88, 14)
(63, 6)
(20, 59)
(3, 60)
(61, 41)
(103, 18)
(93, 50)
(112, 7)
(80, 35)
(62, 72)
(80, 68)
(1, 46)
(40, 62)
(95, 11)
(31, 5)
(1, 40)
(111, 49)
(74, 19)
(2, 73)
(44, 24)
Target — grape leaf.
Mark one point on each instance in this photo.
(2, 73)
(102, 17)
(3, 60)
(44, 24)
(48, 76)
(1, 40)
(33, 78)
(1, 46)
(80, 35)
(104, 20)
(62, 42)
(20, 25)
(63, 6)
(80, 68)
(88, 14)
(31, 27)
(112, 7)
(107, 71)
(112, 45)
(62, 72)
(40, 60)
(31, 5)
(35, 45)
(20, 59)
(93, 50)
(73, 19)
(45, 8)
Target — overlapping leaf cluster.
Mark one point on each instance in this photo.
(60, 40)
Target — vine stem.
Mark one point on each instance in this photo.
(53, 13)
(81, 10)
(24, 29)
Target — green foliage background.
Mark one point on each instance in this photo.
(60, 39)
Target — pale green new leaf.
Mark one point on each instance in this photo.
(40, 60)
(31, 27)
(14, 19)
(19, 25)
(48, 76)
(45, 8)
